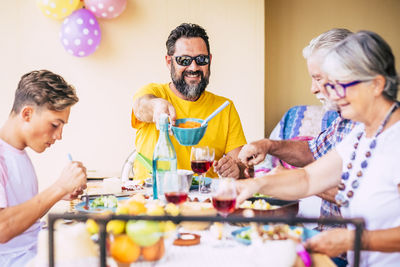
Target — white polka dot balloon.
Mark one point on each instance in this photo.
(57, 9)
(80, 33)
(107, 9)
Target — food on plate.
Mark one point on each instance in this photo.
(154, 252)
(274, 232)
(124, 250)
(105, 201)
(189, 124)
(259, 204)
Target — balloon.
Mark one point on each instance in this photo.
(57, 9)
(107, 9)
(80, 33)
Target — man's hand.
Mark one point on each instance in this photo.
(72, 179)
(162, 106)
(255, 152)
(332, 242)
(227, 167)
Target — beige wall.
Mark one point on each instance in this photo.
(291, 24)
(131, 54)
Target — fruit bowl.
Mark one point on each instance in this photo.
(188, 136)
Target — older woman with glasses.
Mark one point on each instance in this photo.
(362, 80)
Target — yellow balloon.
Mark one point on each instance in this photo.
(57, 9)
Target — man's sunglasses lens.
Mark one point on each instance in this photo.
(187, 60)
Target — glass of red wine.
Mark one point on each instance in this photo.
(176, 188)
(223, 192)
(201, 160)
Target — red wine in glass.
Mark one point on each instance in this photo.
(201, 166)
(224, 205)
(176, 197)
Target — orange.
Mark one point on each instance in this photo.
(154, 252)
(124, 250)
(189, 124)
(136, 208)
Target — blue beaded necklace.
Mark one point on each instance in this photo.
(343, 196)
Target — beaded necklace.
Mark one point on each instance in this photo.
(343, 196)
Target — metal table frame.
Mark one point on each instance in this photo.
(103, 219)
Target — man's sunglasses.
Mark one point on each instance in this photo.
(200, 60)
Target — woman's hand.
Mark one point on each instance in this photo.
(331, 242)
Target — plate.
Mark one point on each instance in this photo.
(283, 207)
(81, 207)
(196, 178)
(307, 233)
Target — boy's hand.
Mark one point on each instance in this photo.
(73, 178)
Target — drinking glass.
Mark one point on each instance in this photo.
(176, 188)
(223, 193)
(201, 159)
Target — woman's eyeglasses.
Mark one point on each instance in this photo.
(340, 88)
(200, 60)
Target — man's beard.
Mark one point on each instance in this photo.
(327, 104)
(190, 91)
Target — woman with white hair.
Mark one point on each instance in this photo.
(363, 82)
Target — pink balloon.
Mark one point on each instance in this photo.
(107, 9)
(80, 33)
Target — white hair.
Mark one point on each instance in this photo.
(325, 41)
(363, 56)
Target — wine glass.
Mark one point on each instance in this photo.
(201, 159)
(176, 187)
(223, 193)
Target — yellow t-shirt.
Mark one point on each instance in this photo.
(224, 132)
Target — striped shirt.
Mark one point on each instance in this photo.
(321, 145)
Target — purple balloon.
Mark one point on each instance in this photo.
(80, 33)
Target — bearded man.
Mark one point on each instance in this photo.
(188, 59)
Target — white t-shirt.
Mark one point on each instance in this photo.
(377, 199)
(18, 184)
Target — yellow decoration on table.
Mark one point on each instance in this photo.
(172, 209)
(155, 210)
(57, 9)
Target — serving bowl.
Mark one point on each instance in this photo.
(188, 174)
(188, 136)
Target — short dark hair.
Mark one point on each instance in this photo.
(186, 30)
(43, 88)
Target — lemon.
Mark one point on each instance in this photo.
(92, 227)
(116, 227)
(122, 209)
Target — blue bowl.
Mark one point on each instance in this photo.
(188, 136)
